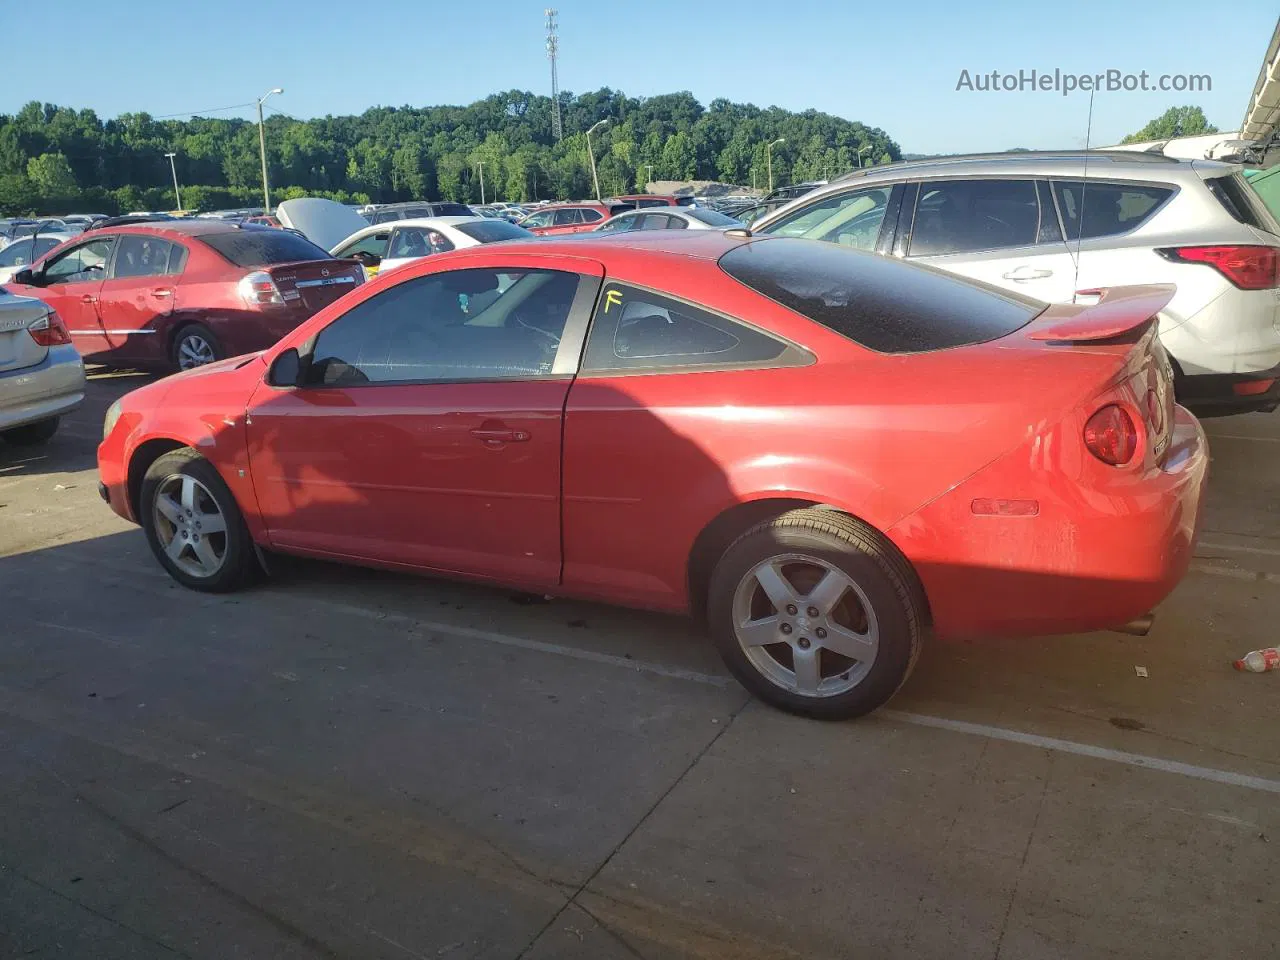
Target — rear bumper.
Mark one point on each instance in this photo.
(51, 388)
(1223, 394)
(1092, 559)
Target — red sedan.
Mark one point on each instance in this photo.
(818, 451)
(176, 294)
(563, 218)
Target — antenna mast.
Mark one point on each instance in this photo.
(553, 49)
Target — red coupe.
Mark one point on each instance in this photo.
(819, 451)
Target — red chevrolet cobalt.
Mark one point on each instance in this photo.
(818, 451)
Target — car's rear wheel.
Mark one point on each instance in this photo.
(30, 434)
(193, 524)
(814, 613)
(194, 346)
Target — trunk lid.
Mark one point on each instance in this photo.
(18, 349)
(314, 284)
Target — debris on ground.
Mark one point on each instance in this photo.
(1141, 671)
(1259, 661)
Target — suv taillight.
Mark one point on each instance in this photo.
(1248, 267)
(49, 331)
(1111, 436)
(259, 290)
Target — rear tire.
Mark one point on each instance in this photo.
(194, 346)
(30, 434)
(815, 614)
(193, 524)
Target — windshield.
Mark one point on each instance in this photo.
(712, 218)
(492, 231)
(263, 246)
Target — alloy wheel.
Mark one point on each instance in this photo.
(194, 351)
(189, 525)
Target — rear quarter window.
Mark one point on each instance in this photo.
(880, 303)
(262, 247)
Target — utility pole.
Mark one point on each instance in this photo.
(861, 151)
(768, 156)
(591, 154)
(480, 164)
(553, 50)
(649, 167)
(262, 145)
(173, 168)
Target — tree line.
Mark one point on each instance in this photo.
(57, 159)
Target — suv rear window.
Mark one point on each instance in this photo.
(883, 304)
(492, 231)
(262, 246)
(1240, 200)
(450, 210)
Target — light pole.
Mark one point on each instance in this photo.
(768, 157)
(595, 178)
(173, 167)
(861, 151)
(262, 145)
(480, 164)
(649, 167)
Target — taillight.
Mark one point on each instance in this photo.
(1248, 267)
(259, 290)
(1111, 436)
(49, 331)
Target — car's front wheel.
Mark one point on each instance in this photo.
(31, 434)
(815, 614)
(193, 524)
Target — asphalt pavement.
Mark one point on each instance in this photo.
(350, 763)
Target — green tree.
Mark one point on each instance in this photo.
(1174, 122)
(51, 175)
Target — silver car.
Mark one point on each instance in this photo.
(668, 218)
(1058, 226)
(41, 373)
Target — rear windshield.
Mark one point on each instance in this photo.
(712, 218)
(1239, 198)
(263, 246)
(492, 231)
(451, 210)
(881, 303)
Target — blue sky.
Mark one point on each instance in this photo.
(889, 65)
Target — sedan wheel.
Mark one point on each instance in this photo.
(189, 526)
(817, 614)
(195, 346)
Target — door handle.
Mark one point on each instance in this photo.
(88, 298)
(162, 292)
(495, 435)
(1027, 273)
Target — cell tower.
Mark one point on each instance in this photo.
(553, 48)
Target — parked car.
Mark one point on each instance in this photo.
(18, 229)
(668, 218)
(417, 209)
(816, 450)
(41, 374)
(385, 246)
(178, 294)
(562, 218)
(1014, 220)
(263, 221)
(26, 251)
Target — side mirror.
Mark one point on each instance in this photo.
(25, 277)
(286, 370)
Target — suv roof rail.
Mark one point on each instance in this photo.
(126, 221)
(1115, 156)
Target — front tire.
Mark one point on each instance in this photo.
(815, 614)
(194, 346)
(31, 434)
(193, 524)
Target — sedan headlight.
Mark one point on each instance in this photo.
(109, 421)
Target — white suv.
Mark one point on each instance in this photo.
(1014, 221)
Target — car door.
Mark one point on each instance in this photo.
(427, 427)
(138, 293)
(1001, 231)
(69, 282)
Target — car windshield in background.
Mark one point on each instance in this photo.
(493, 231)
(883, 304)
(262, 247)
(711, 218)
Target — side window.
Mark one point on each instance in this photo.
(438, 242)
(850, 219)
(461, 325)
(1050, 231)
(141, 256)
(177, 259)
(963, 216)
(409, 242)
(565, 218)
(1108, 208)
(375, 243)
(654, 221)
(619, 225)
(542, 219)
(86, 262)
(590, 216)
(639, 329)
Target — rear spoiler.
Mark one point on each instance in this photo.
(1118, 310)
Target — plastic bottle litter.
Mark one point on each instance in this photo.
(1260, 661)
